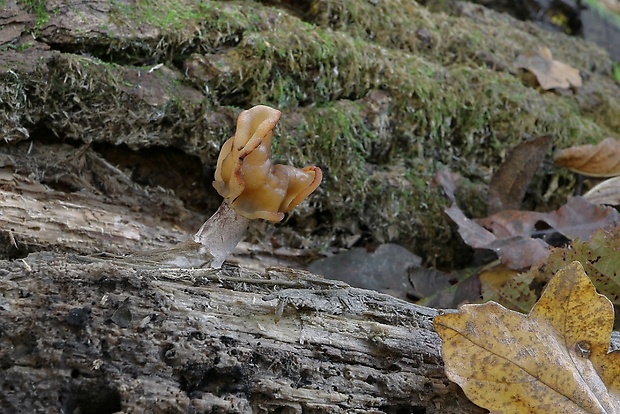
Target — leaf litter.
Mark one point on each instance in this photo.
(522, 238)
(606, 192)
(600, 160)
(550, 73)
(554, 360)
(509, 183)
(518, 236)
(600, 257)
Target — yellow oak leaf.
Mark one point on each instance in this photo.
(554, 360)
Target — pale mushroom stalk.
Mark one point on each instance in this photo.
(251, 185)
(220, 234)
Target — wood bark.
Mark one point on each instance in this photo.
(99, 334)
(111, 117)
(81, 334)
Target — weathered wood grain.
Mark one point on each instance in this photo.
(79, 334)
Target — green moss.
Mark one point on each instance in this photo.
(449, 104)
(18, 48)
(380, 96)
(39, 8)
(165, 14)
(472, 34)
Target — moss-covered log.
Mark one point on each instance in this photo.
(111, 117)
(379, 95)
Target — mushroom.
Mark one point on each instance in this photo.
(252, 186)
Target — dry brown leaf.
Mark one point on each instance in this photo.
(551, 74)
(520, 252)
(427, 281)
(518, 237)
(511, 223)
(606, 192)
(472, 233)
(578, 218)
(600, 259)
(601, 160)
(447, 180)
(516, 252)
(514, 235)
(554, 360)
(510, 181)
(461, 288)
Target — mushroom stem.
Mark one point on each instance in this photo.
(221, 233)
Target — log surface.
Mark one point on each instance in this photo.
(90, 335)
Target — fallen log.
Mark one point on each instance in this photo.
(83, 334)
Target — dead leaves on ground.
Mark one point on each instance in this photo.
(518, 237)
(605, 192)
(601, 160)
(554, 360)
(509, 183)
(521, 238)
(550, 74)
(600, 257)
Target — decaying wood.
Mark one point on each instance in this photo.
(95, 335)
(108, 127)
(57, 197)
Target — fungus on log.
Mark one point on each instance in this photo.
(252, 186)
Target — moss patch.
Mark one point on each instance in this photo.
(39, 8)
(380, 96)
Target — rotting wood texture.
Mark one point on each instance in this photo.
(87, 335)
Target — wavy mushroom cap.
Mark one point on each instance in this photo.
(246, 177)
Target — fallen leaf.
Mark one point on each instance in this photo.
(426, 282)
(520, 252)
(472, 233)
(554, 360)
(512, 223)
(601, 160)
(515, 235)
(521, 238)
(463, 288)
(578, 218)
(509, 183)
(447, 180)
(386, 269)
(516, 252)
(600, 258)
(605, 192)
(508, 288)
(550, 74)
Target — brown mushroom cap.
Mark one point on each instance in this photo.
(246, 177)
